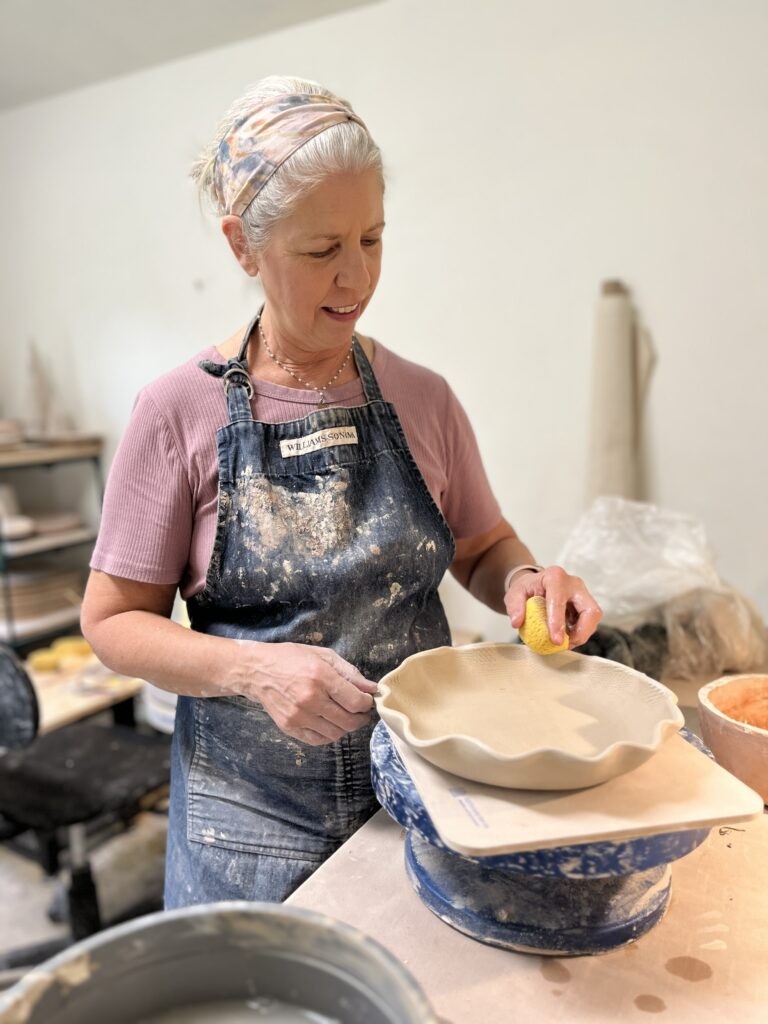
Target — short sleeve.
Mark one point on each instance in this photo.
(468, 503)
(146, 523)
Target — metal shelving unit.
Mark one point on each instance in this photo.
(33, 455)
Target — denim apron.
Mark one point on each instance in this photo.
(327, 535)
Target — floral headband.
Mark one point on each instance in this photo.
(263, 140)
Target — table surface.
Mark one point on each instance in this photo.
(66, 697)
(705, 961)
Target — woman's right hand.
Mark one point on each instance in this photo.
(311, 693)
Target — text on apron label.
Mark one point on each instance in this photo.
(320, 439)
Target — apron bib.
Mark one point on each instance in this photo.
(327, 535)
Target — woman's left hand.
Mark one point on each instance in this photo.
(570, 606)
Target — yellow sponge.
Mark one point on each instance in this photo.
(44, 660)
(534, 631)
(68, 652)
(72, 645)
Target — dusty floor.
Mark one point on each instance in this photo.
(27, 894)
(128, 871)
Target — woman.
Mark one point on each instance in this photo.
(306, 489)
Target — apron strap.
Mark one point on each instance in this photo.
(238, 386)
(249, 330)
(367, 376)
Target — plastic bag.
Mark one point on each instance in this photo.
(645, 564)
(634, 557)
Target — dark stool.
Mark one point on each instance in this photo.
(70, 779)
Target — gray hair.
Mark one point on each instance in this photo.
(343, 148)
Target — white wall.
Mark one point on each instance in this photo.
(534, 148)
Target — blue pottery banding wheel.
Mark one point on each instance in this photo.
(571, 900)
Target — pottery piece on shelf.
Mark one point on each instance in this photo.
(502, 715)
(734, 723)
(27, 628)
(16, 527)
(57, 522)
(41, 588)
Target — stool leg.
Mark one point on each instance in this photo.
(124, 713)
(82, 896)
(49, 847)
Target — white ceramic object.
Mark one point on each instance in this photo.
(16, 527)
(502, 715)
(57, 522)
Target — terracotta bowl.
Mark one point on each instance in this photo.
(734, 725)
(500, 714)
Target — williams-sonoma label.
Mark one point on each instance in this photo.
(327, 438)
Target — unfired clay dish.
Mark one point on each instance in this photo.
(500, 714)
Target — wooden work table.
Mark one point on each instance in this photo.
(66, 697)
(706, 961)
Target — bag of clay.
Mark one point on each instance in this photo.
(645, 564)
(713, 633)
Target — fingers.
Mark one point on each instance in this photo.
(316, 721)
(556, 593)
(325, 732)
(566, 595)
(347, 671)
(348, 687)
(314, 695)
(314, 739)
(524, 586)
(571, 609)
(589, 614)
(336, 716)
(514, 602)
(553, 585)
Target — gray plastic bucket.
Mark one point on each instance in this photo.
(217, 952)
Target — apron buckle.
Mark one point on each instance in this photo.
(235, 371)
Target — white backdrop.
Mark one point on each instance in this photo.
(534, 147)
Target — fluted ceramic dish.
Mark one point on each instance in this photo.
(500, 714)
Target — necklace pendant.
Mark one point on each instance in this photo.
(321, 400)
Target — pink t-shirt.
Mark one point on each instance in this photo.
(159, 518)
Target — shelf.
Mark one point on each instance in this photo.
(33, 454)
(25, 589)
(26, 631)
(47, 542)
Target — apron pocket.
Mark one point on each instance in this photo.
(254, 789)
